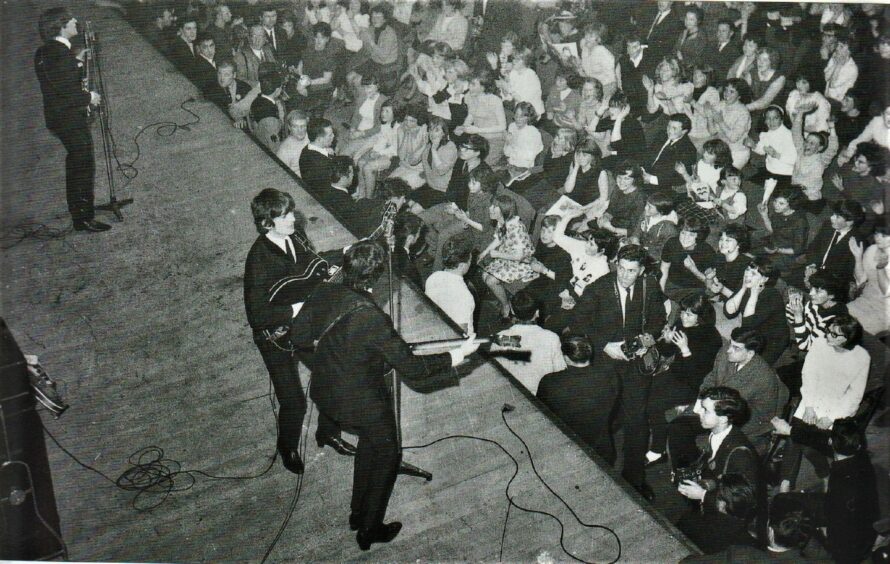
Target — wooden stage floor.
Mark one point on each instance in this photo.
(145, 328)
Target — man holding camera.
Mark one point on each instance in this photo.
(620, 312)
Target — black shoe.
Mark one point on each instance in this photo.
(355, 520)
(381, 533)
(646, 491)
(337, 444)
(91, 225)
(291, 460)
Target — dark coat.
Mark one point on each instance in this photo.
(182, 57)
(315, 169)
(722, 59)
(663, 37)
(64, 99)
(204, 75)
(223, 98)
(662, 165)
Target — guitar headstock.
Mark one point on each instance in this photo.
(508, 341)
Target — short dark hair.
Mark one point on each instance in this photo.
(832, 284)
(442, 124)
(790, 521)
(789, 194)
(316, 127)
(682, 119)
(269, 77)
(738, 494)
(751, 339)
(634, 253)
(363, 263)
(720, 150)
(742, 87)
(589, 146)
(740, 234)
(662, 202)
(370, 78)
(550, 221)
(630, 168)
(765, 267)
(394, 188)
(728, 402)
(697, 225)
(577, 348)
(202, 37)
(489, 179)
(875, 155)
(486, 80)
(477, 143)
(268, 205)
(698, 303)
(699, 13)
(321, 28)
(619, 100)
(341, 165)
(847, 437)
(524, 305)
(527, 110)
(849, 327)
(850, 210)
(456, 251)
(52, 21)
(380, 8)
(405, 225)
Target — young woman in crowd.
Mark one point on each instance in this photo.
(412, 142)
(624, 204)
(761, 307)
(815, 151)
(596, 60)
(668, 93)
(377, 154)
(730, 120)
(507, 253)
(806, 99)
(727, 277)
(589, 252)
(704, 97)
(787, 227)
(523, 83)
(715, 157)
(659, 224)
(872, 307)
(438, 163)
(731, 201)
(591, 107)
(766, 83)
(778, 145)
(523, 141)
(562, 104)
(485, 115)
(685, 258)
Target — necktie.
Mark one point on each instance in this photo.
(834, 239)
(658, 156)
(655, 23)
(274, 43)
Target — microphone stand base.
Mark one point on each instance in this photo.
(114, 206)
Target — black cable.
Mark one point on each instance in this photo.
(30, 230)
(512, 502)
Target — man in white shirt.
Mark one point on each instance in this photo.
(268, 19)
(451, 26)
(248, 59)
(292, 147)
(545, 346)
(448, 289)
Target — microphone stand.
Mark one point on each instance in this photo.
(395, 314)
(92, 44)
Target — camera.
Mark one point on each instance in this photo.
(631, 348)
(691, 473)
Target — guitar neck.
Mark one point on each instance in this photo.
(444, 344)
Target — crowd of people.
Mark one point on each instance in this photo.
(617, 182)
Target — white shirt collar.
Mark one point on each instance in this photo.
(716, 439)
(63, 41)
(317, 149)
(258, 52)
(208, 60)
(344, 190)
(273, 100)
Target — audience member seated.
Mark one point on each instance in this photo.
(267, 111)
(777, 144)
(815, 151)
(761, 307)
(688, 349)
(692, 45)
(714, 529)
(806, 100)
(523, 84)
(625, 205)
(471, 153)
(727, 277)
(789, 530)
(877, 131)
(859, 180)
(872, 307)
(317, 69)
(292, 147)
(365, 120)
(591, 108)
(833, 381)
(849, 506)
(381, 43)
(730, 120)
(830, 249)
(408, 237)
(677, 148)
(485, 115)
(523, 143)
(438, 161)
(160, 31)
(705, 97)
(659, 224)
(232, 94)
(668, 93)
(841, 71)
(685, 259)
(315, 160)
(597, 61)
(508, 268)
(546, 349)
(182, 50)
(619, 311)
(204, 68)
(411, 143)
(250, 56)
(562, 104)
(724, 51)
(766, 83)
(378, 152)
(786, 226)
(625, 140)
(810, 318)
(220, 29)
(739, 366)
(553, 289)
(661, 26)
(582, 395)
(632, 66)
(747, 61)
(589, 252)
(448, 289)
(451, 26)
(731, 201)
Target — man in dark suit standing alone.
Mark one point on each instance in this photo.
(355, 344)
(65, 103)
(618, 310)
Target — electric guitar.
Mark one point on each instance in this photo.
(510, 343)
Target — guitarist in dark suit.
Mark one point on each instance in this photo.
(620, 312)
(281, 270)
(355, 344)
(65, 103)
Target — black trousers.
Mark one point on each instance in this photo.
(377, 460)
(665, 394)
(80, 169)
(282, 367)
(634, 395)
(682, 432)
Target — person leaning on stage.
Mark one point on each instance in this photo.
(65, 103)
(231, 94)
(281, 270)
(315, 160)
(613, 314)
(355, 344)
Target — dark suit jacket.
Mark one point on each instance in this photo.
(273, 281)
(280, 38)
(64, 99)
(352, 358)
(263, 108)
(598, 312)
(736, 455)
(840, 261)
(204, 75)
(583, 397)
(458, 190)
(722, 60)
(682, 151)
(182, 57)
(632, 81)
(664, 36)
(315, 169)
(221, 96)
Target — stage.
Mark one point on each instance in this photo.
(144, 326)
